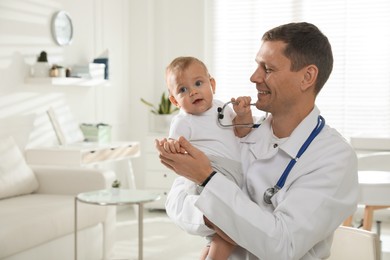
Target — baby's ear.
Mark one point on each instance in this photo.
(213, 84)
(173, 101)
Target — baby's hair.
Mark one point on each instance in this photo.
(180, 64)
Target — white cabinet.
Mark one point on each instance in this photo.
(157, 176)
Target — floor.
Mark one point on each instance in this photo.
(163, 237)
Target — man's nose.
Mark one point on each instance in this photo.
(258, 76)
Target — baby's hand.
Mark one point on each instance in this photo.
(173, 146)
(242, 105)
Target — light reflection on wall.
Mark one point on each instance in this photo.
(24, 116)
(25, 30)
(15, 17)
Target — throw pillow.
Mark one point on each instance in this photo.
(16, 177)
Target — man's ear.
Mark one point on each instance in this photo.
(309, 77)
(173, 101)
(213, 84)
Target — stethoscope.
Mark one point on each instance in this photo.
(249, 125)
(270, 192)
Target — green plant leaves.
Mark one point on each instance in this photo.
(164, 108)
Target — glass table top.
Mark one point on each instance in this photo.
(118, 196)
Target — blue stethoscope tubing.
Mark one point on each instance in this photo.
(270, 192)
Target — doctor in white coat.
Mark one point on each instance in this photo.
(300, 179)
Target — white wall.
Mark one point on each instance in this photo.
(160, 30)
(142, 36)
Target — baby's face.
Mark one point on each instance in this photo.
(192, 89)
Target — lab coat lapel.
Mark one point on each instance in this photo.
(257, 143)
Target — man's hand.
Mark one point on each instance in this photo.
(193, 164)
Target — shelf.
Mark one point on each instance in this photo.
(68, 81)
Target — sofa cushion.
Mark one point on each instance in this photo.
(16, 177)
(34, 219)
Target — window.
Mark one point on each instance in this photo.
(356, 98)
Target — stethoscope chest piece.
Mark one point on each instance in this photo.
(269, 193)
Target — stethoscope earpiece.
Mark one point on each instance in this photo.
(220, 113)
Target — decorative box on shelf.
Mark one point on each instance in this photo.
(90, 70)
(96, 132)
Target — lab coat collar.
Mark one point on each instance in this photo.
(300, 133)
(263, 132)
(258, 140)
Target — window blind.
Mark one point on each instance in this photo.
(356, 98)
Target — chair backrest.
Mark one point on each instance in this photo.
(356, 244)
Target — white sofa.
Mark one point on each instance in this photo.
(40, 224)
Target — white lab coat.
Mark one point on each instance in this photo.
(320, 192)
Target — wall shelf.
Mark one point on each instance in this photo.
(67, 81)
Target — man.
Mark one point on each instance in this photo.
(300, 175)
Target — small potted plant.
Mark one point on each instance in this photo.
(116, 186)
(164, 107)
(161, 114)
(41, 68)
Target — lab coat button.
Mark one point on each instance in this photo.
(275, 145)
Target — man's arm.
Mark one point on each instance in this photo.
(181, 210)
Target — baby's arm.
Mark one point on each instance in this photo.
(220, 249)
(243, 111)
(221, 245)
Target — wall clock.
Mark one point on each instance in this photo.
(62, 28)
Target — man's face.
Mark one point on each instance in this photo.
(278, 87)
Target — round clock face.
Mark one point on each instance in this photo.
(62, 28)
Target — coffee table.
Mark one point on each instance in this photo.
(117, 197)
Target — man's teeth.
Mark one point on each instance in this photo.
(264, 92)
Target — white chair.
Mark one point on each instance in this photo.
(378, 161)
(375, 162)
(355, 244)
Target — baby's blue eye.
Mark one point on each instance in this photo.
(183, 90)
(198, 83)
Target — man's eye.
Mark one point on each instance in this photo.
(198, 83)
